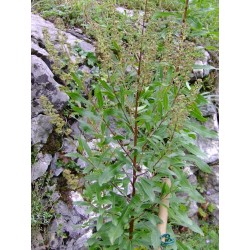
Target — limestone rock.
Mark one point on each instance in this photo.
(201, 73)
(43, 83)
(37, 50)
(40, 129)
(193, 209)
(66, 232)
(128, 12)
(210, 146)
(38, 24)
(40, 167)
(38, 242)
(212, 190)
(53, 167)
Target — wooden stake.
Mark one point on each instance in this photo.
(163, 210)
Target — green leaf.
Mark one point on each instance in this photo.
(199, 163)
(106, 176)
(75, 96)
(194, 23)
(147, 188)
(194, 150)
(76, 79)
(201, 130)
(165, 100)
(186, 187)
(196, 113)
(155, 238)
(114, 233)
(85, 145)
(78, 110)
(92, 60)
(99, 223)
(154, 219)
(118, 137)
(165, 189)
(181, 218)
(170, 73)
(85, 126)
(105, 85)
(98, 95)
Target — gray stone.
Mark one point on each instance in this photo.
(40, 167)
(208, 110)
(85, 69)
(40, 129)
(54, 168)
(70, 223)
(193, 209)
(201, 73)
(38, 24)
(80, 243)
(198, 73)
(212, 190)
(210, 146)
(37, 50)
(128, 12)
(75, 129)
(81, 163)
(43, 83)
(55, 196)
(69, 145)
(38, 242)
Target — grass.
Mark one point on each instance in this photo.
(210, 240)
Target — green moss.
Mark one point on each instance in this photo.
(53, 144)
(34, 152)
(63, 189)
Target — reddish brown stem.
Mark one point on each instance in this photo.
(131, 223)
(184, 18)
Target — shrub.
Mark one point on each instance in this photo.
(143, 115)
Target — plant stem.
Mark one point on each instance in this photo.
(131, 223)
(184, 18)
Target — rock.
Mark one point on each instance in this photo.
(40, 129)
(209, 110)
(201, 73)
(38, 24)
(69, 145)
(81, 163)
(66, 231)
(85, 69)
(128, 12)
(53, 167)
(210, 146)
(37, 50)
(193, 209)
(76, 132)
(211, 186)
(43, 83)
(38, 242)
(198, 73)
(40, 167)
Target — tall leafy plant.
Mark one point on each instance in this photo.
(140, 124)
